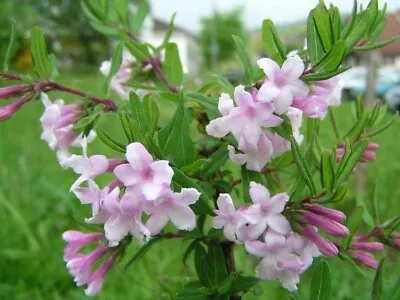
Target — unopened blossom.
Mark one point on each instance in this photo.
(296, 119)
(368, 155)
(228, 218)
(325, 246)
(82, 266)
(312, 106)
(266, 211)
(328, 225)
(10, 109)
(245, 120)
(395, 240)
(363, 251)
(330, 90)
(87, 167)
(142, 170)
(282, 84)
(13, 90)
(174, 207)
(330, 213)
(364, 258)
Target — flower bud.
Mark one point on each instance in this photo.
(312, 106)
(367, 246)
(113, 163)
(365, 258)
(333, 214)
(12, 91)
(9, 110)
(329, 226)
(326, 247)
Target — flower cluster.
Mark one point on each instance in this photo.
(257, 112)
(266, 233)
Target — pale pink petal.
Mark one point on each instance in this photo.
(283, 101)
(218, 128)
(293, 68)
(256, 248)
(126, 174)
(99, 164)
(269, 66)
(250, 137)
(272, 121)
(225, 104)
(187, 197)
(279, 223)
(239, 159)
(85, 195)
(116, 229)
(151, 191)
(243, 98)
(229, 232)
(274, 240)
(277, 203)
(219, 221)
(299, 88)
(225, 204)
(162, 172)
(259, 193)
(137, 156)
(268, 91)
(182, 217)
(157, 222)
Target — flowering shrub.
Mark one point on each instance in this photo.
(279, 207)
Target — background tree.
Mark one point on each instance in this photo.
(216, 40)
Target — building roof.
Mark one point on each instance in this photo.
(392, 29)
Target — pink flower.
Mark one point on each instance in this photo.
(245, 121)
(330, 90)
(174, 207)
(312, 106)
(77, 240)
(142, 170)
(126, 219)
(368, 155)
(282, 84)
(296, 119)
(13, 90)
(266, 211)
(364, 258)
(87, 167)
(326, 247)
(331, 227)
(228, 218)
(333, 214)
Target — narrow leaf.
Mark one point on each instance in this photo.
(333, 59)
(106, 139)
(172, 65)
(272, 43)
(327, 171)
(377, 288)
(41, 61)
(142, 251)
(320, 288)
(244, 57)
(10, 48)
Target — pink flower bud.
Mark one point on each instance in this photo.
(368, 156)
(13, 90)
(365, 258)
(372, 146)
(326, 247)
(367, 246)
(330, 213)
(9, 110)
(329, 226)
(113, 163)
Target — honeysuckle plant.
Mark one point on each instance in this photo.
(274, 199)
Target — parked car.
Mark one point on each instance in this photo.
(354, 81)
(392, 98)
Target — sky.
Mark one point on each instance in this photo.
(280, 11)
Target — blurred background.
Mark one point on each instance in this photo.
(35, 206)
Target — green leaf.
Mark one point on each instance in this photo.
(175, 140)
(346, 166)
(192, 291)
(382, 128)
(115, 62)
(243, 284)
(313, 126)
(285, 130)
(337, 24)
(106, 139)
(195, 166)
(137, 20)
(203, 205)
(272, 43)
(358, 129)
(209, 104)
(376, 45)
(138, 50)
(125, 125)
(168, 33)
(121, 6)
(216, 258)
(91, 15)
(142, 251)
(352, 20)
(314, 45)
(353, 222)
(138, 112)
(104, 29)
(323, 24)
(244, 57)
(10, 48)
(172, 65)
(226, 285)
(41, 62)
(320, 288)
(203, 266)
(224, 83)
(377, 288)
(215, 162)
(333, 59)
(359, 28)
(245, 184)
(323, 75)
(327, 171)
(54, 66)
(302, 165)
(192, 246)
(152, 113)
(394, 292)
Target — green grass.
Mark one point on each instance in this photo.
(35, 208)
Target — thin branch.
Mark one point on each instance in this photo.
(263, 171)
(155, 63)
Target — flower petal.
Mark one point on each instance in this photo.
(187, 197)
(225, 104)
(182, 217)
(277, 203)
(269, 66)
(137, 156)
(243, 98)
(259, 193)
(162, 172)
(283, 101)
(256, 248)
(279, 223)
(293, 68)
(225, 204)
(98, 164)
(218, 128)
(157, 222)
(268, 91)
(126, 174)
